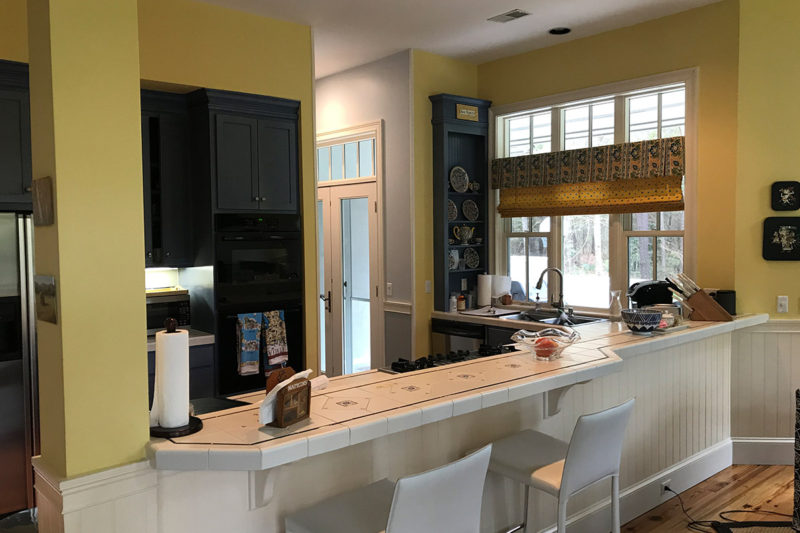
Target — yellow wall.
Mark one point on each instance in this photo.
(14, 30)
(769, 75)
(93, 373)
(706, 38)
(184, 42)
(431, 74)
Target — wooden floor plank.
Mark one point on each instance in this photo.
(746, 487)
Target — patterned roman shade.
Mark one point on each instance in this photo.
(620, 178)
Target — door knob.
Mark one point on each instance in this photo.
(327, 301)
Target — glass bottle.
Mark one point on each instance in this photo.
(615, 307)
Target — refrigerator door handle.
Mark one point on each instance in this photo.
(30, 332)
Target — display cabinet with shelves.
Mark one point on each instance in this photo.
(460, 139)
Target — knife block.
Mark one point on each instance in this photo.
(705, 308)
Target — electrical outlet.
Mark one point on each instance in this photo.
(427, 286)
(783, 304)
(388, 288)
(463, 284)
(664, 485)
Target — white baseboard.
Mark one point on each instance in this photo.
(645, 495)
(763, 451)
(81, 503)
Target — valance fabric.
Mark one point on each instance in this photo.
(621, 178)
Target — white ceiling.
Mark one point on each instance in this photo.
(348, 33)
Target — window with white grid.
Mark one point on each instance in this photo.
(593, 251)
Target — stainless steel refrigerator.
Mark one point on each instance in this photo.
(18, 391)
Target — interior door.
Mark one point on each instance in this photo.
(348, 259)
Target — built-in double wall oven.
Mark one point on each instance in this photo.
(258, 268)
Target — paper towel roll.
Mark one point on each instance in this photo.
(171, 390)
(484, 289)
(501, 285)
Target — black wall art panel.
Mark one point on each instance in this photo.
(781, 239)
(785, 195)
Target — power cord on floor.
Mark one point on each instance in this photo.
(703, 526)
(707, 526)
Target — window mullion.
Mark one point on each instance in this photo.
(620, 120)
(658, 114)
(555, 128)
(655, 257)
(530, 134)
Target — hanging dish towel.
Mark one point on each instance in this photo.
(274, 349)
(248, 327)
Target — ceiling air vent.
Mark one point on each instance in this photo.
(509, 16)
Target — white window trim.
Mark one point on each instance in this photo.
(689, 77)
(362, 132)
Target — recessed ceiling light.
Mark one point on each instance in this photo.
(559, 31)
(508, 16)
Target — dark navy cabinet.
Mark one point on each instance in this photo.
(277, 166)
(252, 150)
(459, 142)
(165, 166)
(237, 163)
(15, 138)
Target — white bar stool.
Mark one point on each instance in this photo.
(560, 469)
(446, 500)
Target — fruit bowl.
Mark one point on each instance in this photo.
(546, 344)
(641, 321)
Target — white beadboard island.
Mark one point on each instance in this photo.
(237, 476)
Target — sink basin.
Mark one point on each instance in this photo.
(552, 317)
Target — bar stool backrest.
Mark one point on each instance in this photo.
(445, 499)
(595, 448)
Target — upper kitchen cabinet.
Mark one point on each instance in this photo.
(15, 138)
(237, 162)
(251, 143)
(167, 192)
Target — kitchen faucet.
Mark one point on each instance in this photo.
(559, 304)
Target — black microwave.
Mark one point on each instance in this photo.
(173, 304)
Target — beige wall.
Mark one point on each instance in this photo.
(182, 44)
(706, 38)
(769, 75)
(430, 74)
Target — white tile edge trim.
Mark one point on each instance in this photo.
(776, 325)
(691, 335)
(645, 495)
(763, 451)
(372, 427)
(499, 395)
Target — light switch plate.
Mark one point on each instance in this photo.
(463, 284)
(427, 286)
(388, 288)
(783, 304)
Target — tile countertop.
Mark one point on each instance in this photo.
(366, 406)
(196, 338)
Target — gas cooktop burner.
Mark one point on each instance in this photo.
(431, 361)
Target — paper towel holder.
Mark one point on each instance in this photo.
(194, 425)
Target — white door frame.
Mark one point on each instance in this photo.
(350, 134)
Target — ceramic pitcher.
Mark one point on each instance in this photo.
(463, 233)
